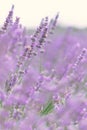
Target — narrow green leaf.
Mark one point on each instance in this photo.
(0, 104)
(48, 108)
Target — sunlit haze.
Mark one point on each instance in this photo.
(72, 12)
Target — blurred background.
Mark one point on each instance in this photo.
(73, 13)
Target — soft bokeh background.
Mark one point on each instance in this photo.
(72, 12)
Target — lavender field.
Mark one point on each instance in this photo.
(43, 76)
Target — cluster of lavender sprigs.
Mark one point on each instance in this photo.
(43, 83)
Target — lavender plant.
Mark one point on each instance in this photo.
(42, 83)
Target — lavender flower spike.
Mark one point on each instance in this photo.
(80, 58)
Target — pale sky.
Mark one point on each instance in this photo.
(72, 12)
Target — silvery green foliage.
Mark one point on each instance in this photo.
(43, 84)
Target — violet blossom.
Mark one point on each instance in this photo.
(43, 84)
